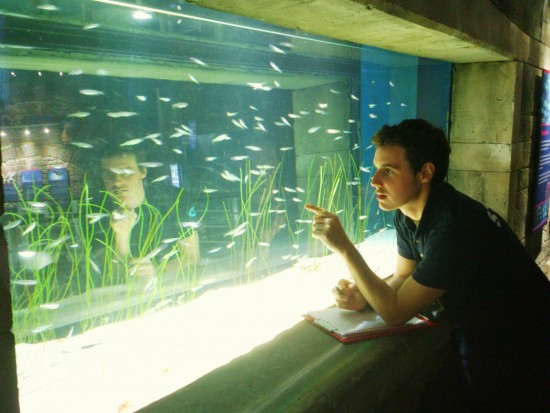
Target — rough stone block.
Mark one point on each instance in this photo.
(481, 157)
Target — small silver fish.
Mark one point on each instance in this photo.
(150, 164)
(253, 107)
(82, 145)
(132, 142)
(276, 49)
(264, 244)
(25, 282)
(197, 61)
(180, 105)
(57, 242)
(313, 129)
(222, 137)
(210, 158)
(96, 216)
(275, 67)
(354, 97)
(141, 98)
(11, 224)
(214, 250)
(178, 151)
(229, 176)
(285, 121)
(231, 114)
(372, 116)
(239, 157)
(209, 190)
(249, 263)
(193, 79)
(286, 148)
(336, 92)
(31, 226)
(332, 131)
(253, 148)
(121, 114)
(48, 7)
(79, 115)
(152, 136)
(165, 99)
(91, 26)
(160, 178)
(50, 306)
(91, 92)
(323, 105)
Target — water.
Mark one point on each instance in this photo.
(152, 155)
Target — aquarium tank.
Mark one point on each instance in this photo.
(156, 159)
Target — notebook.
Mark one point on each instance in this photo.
(351, 326)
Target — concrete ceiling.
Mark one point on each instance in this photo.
(364, 22)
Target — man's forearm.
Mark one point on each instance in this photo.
(381, 296)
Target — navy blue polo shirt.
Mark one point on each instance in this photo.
(494, 290)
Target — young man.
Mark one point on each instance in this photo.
(454, 249)
(139, 230)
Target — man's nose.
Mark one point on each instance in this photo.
(374, 181)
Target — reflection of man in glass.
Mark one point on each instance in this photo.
(142, 236)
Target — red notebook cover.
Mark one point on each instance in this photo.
(350, 326)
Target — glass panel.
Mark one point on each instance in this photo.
(153, 155)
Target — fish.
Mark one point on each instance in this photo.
(230, 245)
(91, 26)
(31, 226)
(152, 136)
(210, 158)
(57, 242)
(132, 142)
(48, 7)
(294, 116)
(214, 250)
(285, 121)
(25, 282)
(237, 230)
(231, 114)
(117, 216)
(170, 254)
(165, 99)
(300, 190)
(178, 151)
(277, 84)
(279, 199)
(239, 157)
(391, 83)
(351, 120)
(198, 61)
(91, 92)
(253, 107)
(275, 67)
(261, 127)
(50, 306)
(354, 97)
(190, 224)
(276, 49)
(79, 115)
(150, 164)
(27, 253)
(249, 263)
(402, 104)
(264, 244)
(364, 168)
(372, 105)
(153, 253)
(11, 224)
(141, 98)
(229, 176)
(209, 190)
(82, 145)
(180, 105)
(287, 189)
(95, 266)
(160, 178)
(372, 116)
(286, 148)
(253, 148)
(336, 92)
(96, 216)
(333, 131)
(169, 240)
(193, 79)
(121, 114)
(222, 137)
(313, 129)
(259, 86)
(286, 44)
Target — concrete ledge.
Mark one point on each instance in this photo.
(306, 370)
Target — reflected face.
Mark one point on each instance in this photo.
(396, 185)
(123, 180)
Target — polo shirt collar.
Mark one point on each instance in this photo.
(438, 195)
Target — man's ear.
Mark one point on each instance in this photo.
(427, 172)
(143, 172)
